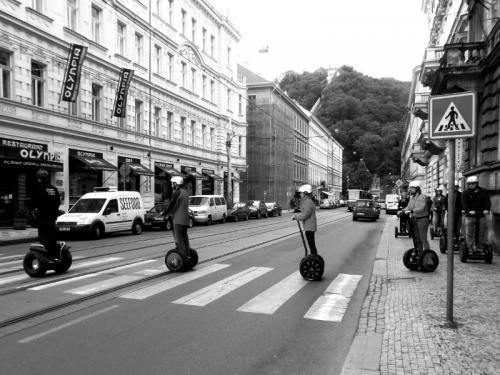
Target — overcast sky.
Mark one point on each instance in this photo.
(384, 38)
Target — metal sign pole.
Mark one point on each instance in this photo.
(450, 231)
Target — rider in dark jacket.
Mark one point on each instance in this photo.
(179, 209)
(476, 204)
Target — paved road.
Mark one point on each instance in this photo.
(245, 313)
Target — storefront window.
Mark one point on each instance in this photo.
(83, 182)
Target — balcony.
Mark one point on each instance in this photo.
(430, 64)
(430, 147)
(418, 155)
(420, 106)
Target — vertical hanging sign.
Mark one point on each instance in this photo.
(120, 106)
(72, 73)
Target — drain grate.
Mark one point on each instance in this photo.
(402, 280)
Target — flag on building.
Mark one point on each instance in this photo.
(120, 105)
(73, 72)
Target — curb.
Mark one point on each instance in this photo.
(18, 241)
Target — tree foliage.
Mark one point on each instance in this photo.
(364, 114)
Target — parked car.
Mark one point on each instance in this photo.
(155, 217)
(257, 209)
(381, 203)
(273, 209)
(239, 211)
(365, 209)
(392, 202)
(208, 208)
(327, 203)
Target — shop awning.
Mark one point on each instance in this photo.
(235, 179)
(214, 176)
(30, 164)
(196, 175)
(96, 164)
(170, 171)
(138, 168)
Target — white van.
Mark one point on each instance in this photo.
(103, 211)
(208, 208)
(391, 203)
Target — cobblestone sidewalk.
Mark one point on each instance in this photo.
(403, 317)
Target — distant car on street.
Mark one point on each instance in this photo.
(273, 209)
(239, 211)
(365, 209)
(327, 203)
(155, 217)
(257, 209)
(381, 203)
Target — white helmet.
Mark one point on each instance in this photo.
(305, 189)
(415, 184)
(177, 180)
(472, 179)
(456, 182)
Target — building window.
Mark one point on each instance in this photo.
(240, 145)
(72, 14)
(212, 46)
(138, 47)
(212, 91)
(204, 88)
(171, 12)
(170, 66)
(138, 116)
(193, 80)
(183, 129)
(251, 101)
(193, 30)
(73, 108)
(204, 40)
(120, 38)
(204, 135)
(5, 74)
(96, 24)
(37, 5)
(37, 83)
(183, 20)
(157, 5)
(229, 57)
(183, 72)
(193, 133)
(212, 139)
(240, 105)
(228, 99)
(157, 121)
(170, 124)
(96, 102)
(157, 59)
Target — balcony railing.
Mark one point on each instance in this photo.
(463, 55)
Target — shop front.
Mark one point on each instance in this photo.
(19, 161)
(86, 172)
(163, 173)
(192, 180)
(212, 184)
(131, 171)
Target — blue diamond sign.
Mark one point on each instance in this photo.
(452, 116)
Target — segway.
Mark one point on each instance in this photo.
(37, 261)
(403, 229)
(311, 266)
(177, 261)
(438, 230)
(423, 260)
(482, 251)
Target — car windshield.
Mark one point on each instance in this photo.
(92, 205)
(238, 205)
(253, 203)
(158, 209)
(198, 201)
(364, 204)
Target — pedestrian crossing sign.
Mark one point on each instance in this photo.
(452, 116)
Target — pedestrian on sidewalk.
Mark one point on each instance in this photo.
(418, 209)
(458, 210)
(308, 216)
(179, 209)
(476, 204)
(438, 207)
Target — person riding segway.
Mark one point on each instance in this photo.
(438, 208)
(311, 266)
(420, 256)
(404, 227)
(49, 253)
(457, 222)
(182, 258)
(476, 205)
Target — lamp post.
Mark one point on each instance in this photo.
(229, 176)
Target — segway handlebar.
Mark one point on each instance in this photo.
(302, 236)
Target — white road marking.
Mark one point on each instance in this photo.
(332, 305)
(102, 285)
(151, 290)
(95, 262)
(62, 282)
(65, 325)
(12, 256)
(152, 271)
(271, 299)
(212, 292)
(12, 279)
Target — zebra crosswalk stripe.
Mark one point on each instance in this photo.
(151, 290)
(103, 285)
(332, 304)
(271, 299)
(215, 291)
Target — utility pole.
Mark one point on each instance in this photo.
(230, 137)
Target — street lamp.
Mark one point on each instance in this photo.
(229, 176)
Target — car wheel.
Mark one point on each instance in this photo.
(168, 225)
(223, 219)
(96, 231)
(137, 227)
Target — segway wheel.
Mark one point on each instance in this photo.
(410, 260)
(428, 261)
(463, 252)
(442, 244)
(395, 232)
(175, 261)
(312, 267)
(35, 264)
(193, 262)
(65, 263)
(488, 255)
